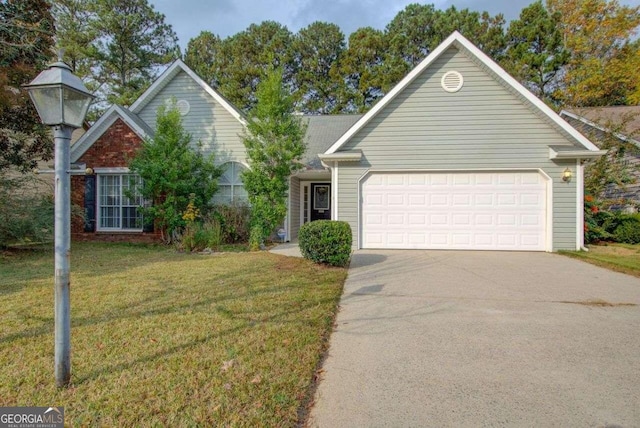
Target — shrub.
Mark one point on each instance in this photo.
(628, 230)
(234, 222)
(198, 235)
(326, 241)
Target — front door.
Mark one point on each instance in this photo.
(320, 201)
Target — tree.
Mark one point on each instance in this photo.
(604, 68)
(369, 72)
(76, 36)
(535, 52)
(247, 56)
(275, 144)
(418, 29)
(116, 46)
(317, 49)
(174, 173)
(202, 53)
(26, 40)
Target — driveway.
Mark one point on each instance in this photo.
(435, 338)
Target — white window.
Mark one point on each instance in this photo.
(230, 186)
(119, 202)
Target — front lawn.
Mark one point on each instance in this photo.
(161, 338)
(623, 258)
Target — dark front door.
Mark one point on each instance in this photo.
(320, 201)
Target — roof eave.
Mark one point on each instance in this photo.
(562, 152)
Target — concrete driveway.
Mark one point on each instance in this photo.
(435, 338)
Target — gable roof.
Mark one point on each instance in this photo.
(626, 119)
(176, 67)
(458, 40)
(322, 132)
(114, 113)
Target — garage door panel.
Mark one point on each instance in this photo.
(502, 211)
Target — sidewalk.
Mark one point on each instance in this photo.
(290, 249)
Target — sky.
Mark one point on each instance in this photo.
(228, 17)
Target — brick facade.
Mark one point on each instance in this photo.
(113, 149)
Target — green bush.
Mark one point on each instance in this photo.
(326, 241)
(628, 230)
(198, 235)
(234, 220)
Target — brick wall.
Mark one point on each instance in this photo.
(113, 149)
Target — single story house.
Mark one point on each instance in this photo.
(622, 123)
(458, 155)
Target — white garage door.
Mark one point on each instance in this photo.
(474, 211)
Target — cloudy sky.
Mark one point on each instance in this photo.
(228, 17)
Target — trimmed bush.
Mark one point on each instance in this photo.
(326, 241)
(628, 231)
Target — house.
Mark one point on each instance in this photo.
(458, 155)
(622, 123)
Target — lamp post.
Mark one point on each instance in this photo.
(62, 101)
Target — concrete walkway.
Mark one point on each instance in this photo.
(290, 249)
(472, 339)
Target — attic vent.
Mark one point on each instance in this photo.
(452, 81)
(183, 107)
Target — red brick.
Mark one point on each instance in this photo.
(113, 149)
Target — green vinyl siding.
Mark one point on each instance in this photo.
(294, 207)
(207, 121)
(486, 125)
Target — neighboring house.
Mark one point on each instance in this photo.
(623, 123)
(458, 155)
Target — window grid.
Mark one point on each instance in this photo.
(230, 186)
(118, 210)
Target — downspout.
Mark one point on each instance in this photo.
(580, 205)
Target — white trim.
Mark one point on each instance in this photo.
(579, 205)
(548, 206)
(460, 40)
(566, 152)
(303, 184)
(307, 183)
(287, 223)
(334, 191)
(98, 129)
(168, 75)
(599, 127)
(112, 170)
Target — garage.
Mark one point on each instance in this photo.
(497, 210)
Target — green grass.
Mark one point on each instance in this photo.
(161, 338)
(623, 258)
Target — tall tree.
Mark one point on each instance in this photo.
(134, 41)
(604, 68)
(369, 72)
(76, 36)
(275, 144)
(202, 53)
(116, 46)
(418, 29)
(245, 58)
(412, 33)
(317, 49)
(26, 40)
(535, 52)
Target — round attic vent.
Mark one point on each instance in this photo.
(452, 81)
(183, 107)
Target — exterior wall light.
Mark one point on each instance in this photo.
(567, 175)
